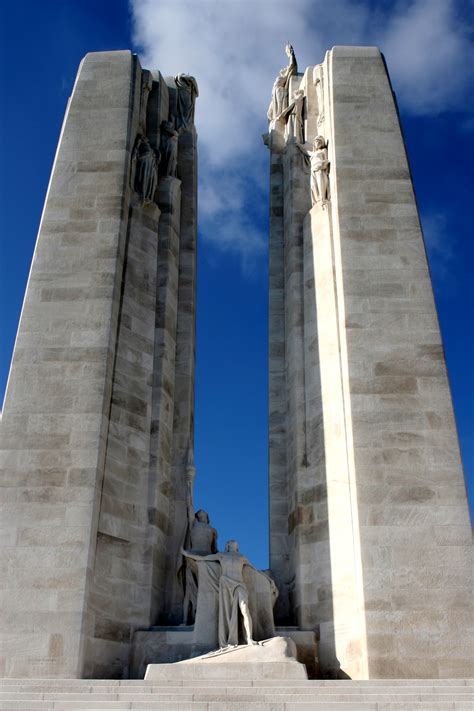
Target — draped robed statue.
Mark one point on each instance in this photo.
(233, 594)
(279, 101)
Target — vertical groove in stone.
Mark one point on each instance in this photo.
(278, 489)
(183, 421)
(296, 205)
(160, 483)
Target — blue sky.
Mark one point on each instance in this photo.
(235, 48)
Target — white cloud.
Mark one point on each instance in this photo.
(427, 50)
(235, 48)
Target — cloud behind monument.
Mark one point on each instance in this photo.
(233, 46)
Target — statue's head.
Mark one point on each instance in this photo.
(319, 142)
(231, 547)
(201, 516)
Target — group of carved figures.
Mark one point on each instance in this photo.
(148, 163)
(289, 112)
(205, 571)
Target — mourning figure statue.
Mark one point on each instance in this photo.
(187, 92)
(168, 149)
(145, 161)
(233, 594)
(147, 85)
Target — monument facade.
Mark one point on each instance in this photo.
(107, 567)
(98, 421)
(370, 536)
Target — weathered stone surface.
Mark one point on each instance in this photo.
(88, 432)
(271, 659)
(369, 523)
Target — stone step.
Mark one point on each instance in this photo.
(315, 683)
(248, 706)
(252, 692)
(237, 695)
(105, 693)
(266, 694)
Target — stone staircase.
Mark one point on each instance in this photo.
(238, 695)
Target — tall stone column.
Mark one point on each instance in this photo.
(183, 419)
(55, 421)
(160, 484)
(105, 345)
(378, 524)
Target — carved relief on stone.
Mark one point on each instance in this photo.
(294, 126)
(144, 172)
(147, 84)
(168, 150)
(319, 165)
(319, 84)
(279, 101)
(187, 90)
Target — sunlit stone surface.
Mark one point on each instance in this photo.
(106, 566)
(370, 537)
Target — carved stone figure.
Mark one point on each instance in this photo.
(277, 103)
(233, 594)
(187, 93)
(318, 81)
(319, 171)
(279, 100)
(294, 128)
(201, 538)
(203, 541)
(147, 84)
(145, 169)
(168, 149)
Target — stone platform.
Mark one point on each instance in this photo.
(270, 659)
(160, 645)
(238, 695)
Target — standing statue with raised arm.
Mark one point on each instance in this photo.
(279, 100)
(233, 594)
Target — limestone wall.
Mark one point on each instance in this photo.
(89, 420)
(376, 545)
(55, 419)
(415, 533)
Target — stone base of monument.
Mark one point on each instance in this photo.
(273, 658)
(162, 645)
